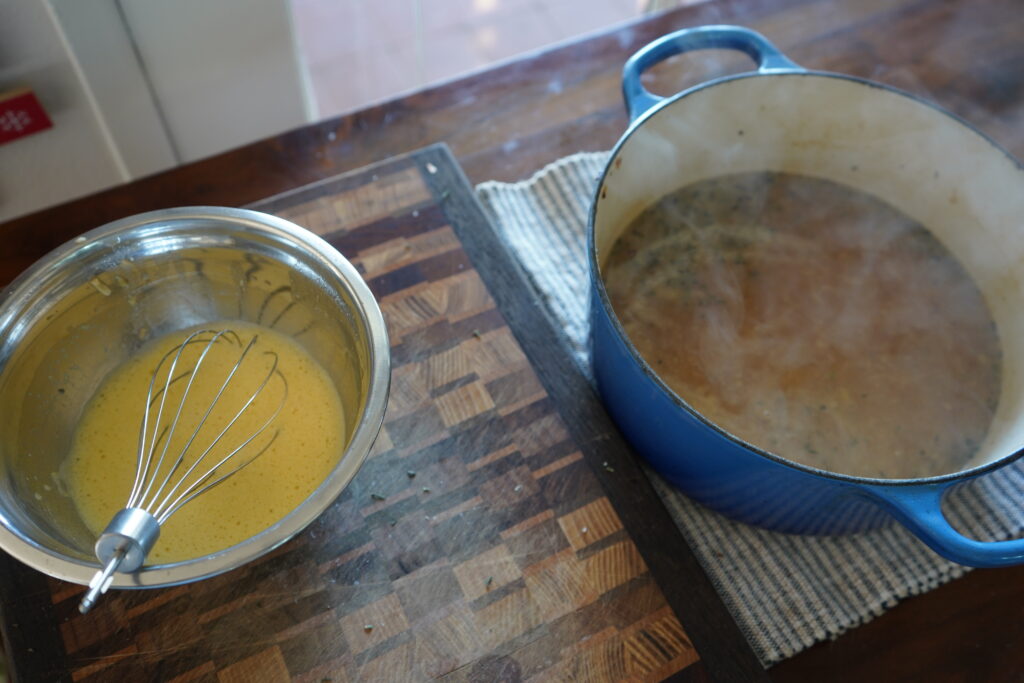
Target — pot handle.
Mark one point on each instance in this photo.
(919, 508)
(639, 100)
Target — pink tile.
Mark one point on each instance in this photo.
(635, 8)
(389, 21)
(391, 71)
(440, 14)
(505, 36)
(363, 51)
(449, 52)
(639, 7)
(326, 28)
(337, 89)
(361, 78)
(663, 5)
(571, 18)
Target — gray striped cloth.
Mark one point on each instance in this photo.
(786, 592)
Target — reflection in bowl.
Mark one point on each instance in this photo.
(93, 303)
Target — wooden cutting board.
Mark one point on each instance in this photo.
(500, 530)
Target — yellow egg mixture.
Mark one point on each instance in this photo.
(309, 437)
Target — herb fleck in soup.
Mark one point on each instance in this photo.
(811, 320)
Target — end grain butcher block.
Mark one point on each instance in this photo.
(500, 530)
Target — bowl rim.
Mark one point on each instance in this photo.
(345, 275)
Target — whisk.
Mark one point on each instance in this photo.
(160, 489)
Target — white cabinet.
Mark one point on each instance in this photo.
(72, 158)
(223, 72)
(137, 86)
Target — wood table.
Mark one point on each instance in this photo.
(504, 123)
(499, 529)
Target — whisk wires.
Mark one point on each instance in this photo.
(171, 492)
(157, 492)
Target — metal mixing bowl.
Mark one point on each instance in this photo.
(92, 303)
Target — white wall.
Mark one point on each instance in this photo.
(224, 72)
(137, 86)
(74, 157)
(102, 45)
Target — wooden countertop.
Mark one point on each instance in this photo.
(506, 122)
(498, 526)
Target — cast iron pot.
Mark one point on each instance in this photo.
(918, 158)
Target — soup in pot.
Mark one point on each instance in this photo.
(810, 320)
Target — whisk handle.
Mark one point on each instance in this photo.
(100, 583)
(123, 546)
(132, 531)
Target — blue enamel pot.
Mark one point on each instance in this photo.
(907, 152)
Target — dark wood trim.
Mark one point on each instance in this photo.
(31, 637)
(714, 633)
(329, 186)
(506, 122)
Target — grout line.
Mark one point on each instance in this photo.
(421, 69)
(359, 97)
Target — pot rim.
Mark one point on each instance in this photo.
(597, 283)
(342, 272)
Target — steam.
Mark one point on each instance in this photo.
(813, 321)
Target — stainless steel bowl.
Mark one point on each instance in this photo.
(90, 304)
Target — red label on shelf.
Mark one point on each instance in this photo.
(21, 114)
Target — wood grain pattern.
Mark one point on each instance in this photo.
(475, 539)
(507, 122)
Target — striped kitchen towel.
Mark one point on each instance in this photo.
(786, 592)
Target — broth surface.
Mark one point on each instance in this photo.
(101, 468)
(811, 320)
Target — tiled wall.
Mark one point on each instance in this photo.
(364, 51)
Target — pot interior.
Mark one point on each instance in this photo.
(920, 160)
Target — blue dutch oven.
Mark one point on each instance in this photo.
(911, 154)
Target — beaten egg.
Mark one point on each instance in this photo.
(302, 444)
